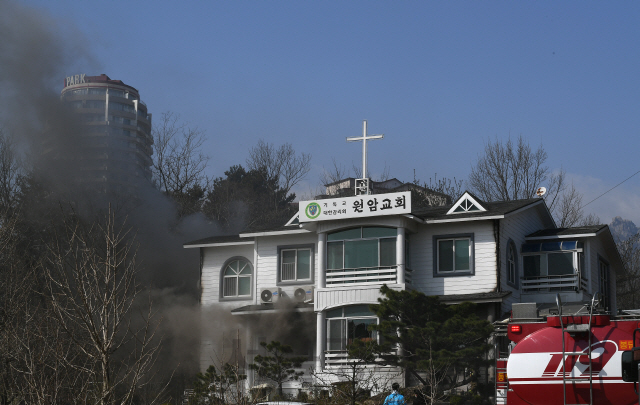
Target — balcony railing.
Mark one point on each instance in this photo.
(366, 275)
(341, 358)
(362, 276)
(564, 282)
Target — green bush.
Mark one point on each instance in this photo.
(477, 400)
(456, 400)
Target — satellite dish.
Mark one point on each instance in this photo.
(540, 191)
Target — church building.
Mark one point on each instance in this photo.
(309, 282)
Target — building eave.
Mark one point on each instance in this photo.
(270, 309)
(273, 233)
(218, 244)
(414, 218)
(574, 236)
(477, 298)
(442, 221)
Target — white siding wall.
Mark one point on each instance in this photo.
(484, 279)
(214, 259)
(516, 227)
(268, 259)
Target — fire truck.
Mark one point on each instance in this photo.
(583, 355)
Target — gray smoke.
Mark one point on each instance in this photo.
(36, 54)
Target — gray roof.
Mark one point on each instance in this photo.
(494, 296)
(217, 239)
(429, 213)
(237, 237)
(271, 308)
(579, 230)
(492, 209)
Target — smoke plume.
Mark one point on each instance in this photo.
(36, 54)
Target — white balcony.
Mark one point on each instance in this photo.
(565, 282)
(362, 276)
(365, 276)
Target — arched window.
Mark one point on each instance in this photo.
(236, 278)
(512, 264)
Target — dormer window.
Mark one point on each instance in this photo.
(466, 204)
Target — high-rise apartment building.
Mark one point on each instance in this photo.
(115, 132)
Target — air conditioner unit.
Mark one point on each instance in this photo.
(303, 293)
(269, 295)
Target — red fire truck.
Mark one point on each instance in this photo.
(573, 357)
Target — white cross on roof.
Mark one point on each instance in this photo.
(364, 138)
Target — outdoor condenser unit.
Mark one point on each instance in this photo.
(303, 293)
(269, 295)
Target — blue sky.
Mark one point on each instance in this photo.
(437, 78)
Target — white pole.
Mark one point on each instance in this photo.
(364, 149)
(400, 255)
(322, 264)
(321, 333)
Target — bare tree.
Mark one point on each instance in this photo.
(14, 296)
(282, 168)
(628, 283)
(509, 171)
(512, 172)
(435, 376)
(334, 174)
(179, 163)
(362, 373)
(445, 185)
(92, 287)
(11, 170)
(40, 366)
(33, 347)
(568, 210)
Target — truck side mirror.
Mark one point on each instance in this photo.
(630, 360)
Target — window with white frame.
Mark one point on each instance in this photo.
(346, 324)
(295, 264)
(549, 259)
(512, 264)
(236, 278)
(453, 255)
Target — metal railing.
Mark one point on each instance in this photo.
(362, 276)
(564, 282)
(341, 358)
(288, 271)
